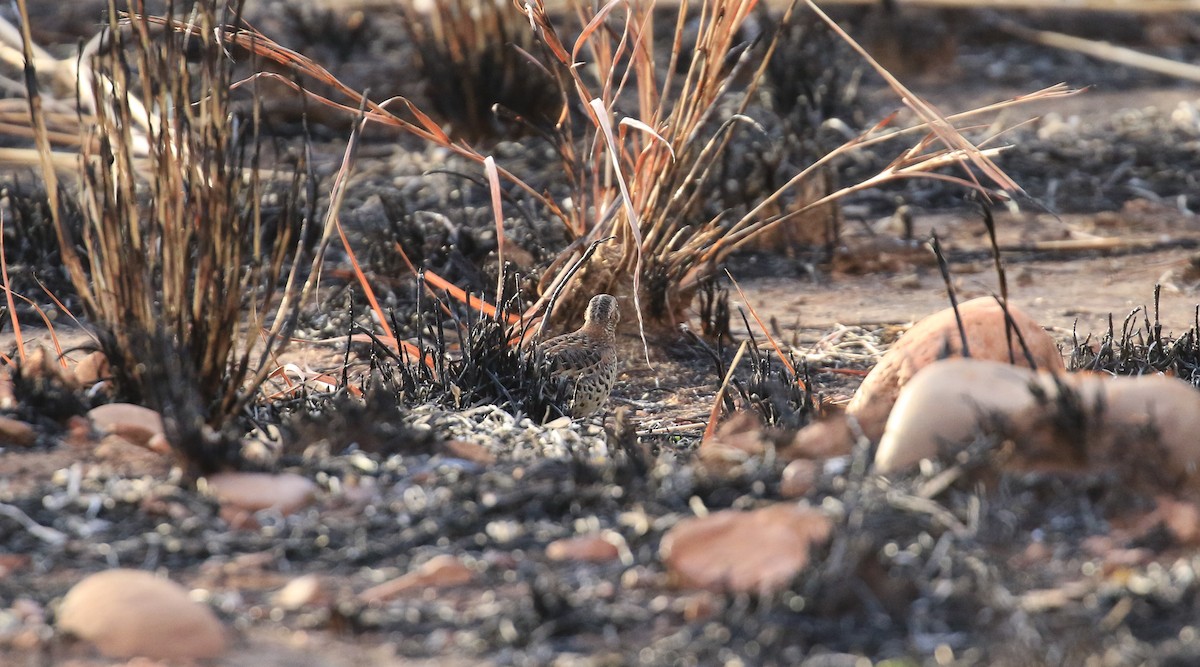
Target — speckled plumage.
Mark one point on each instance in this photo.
(586, 359)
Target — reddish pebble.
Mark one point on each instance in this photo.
(135, 423)
(256, 491)
(799, 477)
(584, 548)
(16, 432)
(757, 551)
(469, 451)
(438, 572)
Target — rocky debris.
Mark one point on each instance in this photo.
(92, 369)
(799, 477)
(468, 451)
(758, 551)
(736, 440)
(23, 625)
(131, 613)
(823, 439)
(308, 590)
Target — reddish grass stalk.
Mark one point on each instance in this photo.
(714, 414)
(8, 295)
(766, 332)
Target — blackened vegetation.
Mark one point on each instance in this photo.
(30, 245)
(478, 69)
(189, 252)
(339, 34)
(46, 399)
(713, 306)
(451, 248)
(783, 399)
(472, 359)
(811, 78)
(1140, 348)
(319, 426)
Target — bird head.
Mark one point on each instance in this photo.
(602, 311)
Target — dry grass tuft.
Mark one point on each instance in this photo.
(184, 265)
(659, 123)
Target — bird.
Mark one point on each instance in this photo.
(584, 361)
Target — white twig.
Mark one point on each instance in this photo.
(47, 535)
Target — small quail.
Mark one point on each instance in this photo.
(585, 361)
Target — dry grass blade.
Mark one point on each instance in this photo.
(1101, 50)
(937, 123)
(714, 414)
(489, 165)
(635, 225)
(767, 332)
(8, 295)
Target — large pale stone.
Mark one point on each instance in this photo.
(127, 613)
(936, 337)
(944, 406)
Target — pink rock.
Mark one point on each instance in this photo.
(127, 613)
(438, 572)
(937, 336)
(469, 451)
(255, 491)
(584, 548)
(826, 438)
(135, 423)
(16, 432)
(756, 551)
(941, 409)
(799, 477)
(91, 369)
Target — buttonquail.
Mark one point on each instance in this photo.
(585, 361)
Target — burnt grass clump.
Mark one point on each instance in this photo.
(464, 358)
(31, 247)
(1141, 347)
(782, 398)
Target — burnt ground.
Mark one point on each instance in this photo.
(1014, 576)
